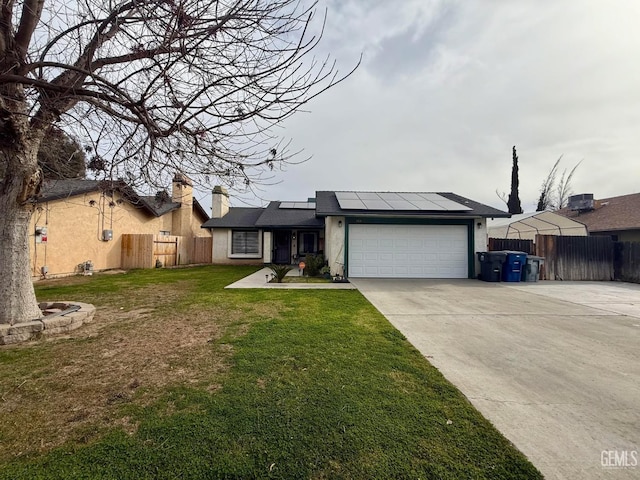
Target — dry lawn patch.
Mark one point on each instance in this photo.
(75, 387)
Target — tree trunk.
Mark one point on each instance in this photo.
(17, 297)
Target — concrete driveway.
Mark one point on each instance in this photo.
(555, 366)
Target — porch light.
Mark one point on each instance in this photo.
(340, 223)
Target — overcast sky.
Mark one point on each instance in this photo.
(447, 88)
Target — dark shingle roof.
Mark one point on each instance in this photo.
(274, 216)
(59, 189)
(327, 204)
(609, 214)
(159, 208)
(238, 217)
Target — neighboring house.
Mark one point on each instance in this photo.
(618, 217)
(360, 234)
(79, 220)
(528, 225)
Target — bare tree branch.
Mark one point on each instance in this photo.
(155, 86)
(31, 11)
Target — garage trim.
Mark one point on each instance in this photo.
(469, 223)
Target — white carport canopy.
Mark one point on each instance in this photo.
(528, 225)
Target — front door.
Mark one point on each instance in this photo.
(282, 247)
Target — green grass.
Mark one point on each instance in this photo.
(308, 384)
(294, 279)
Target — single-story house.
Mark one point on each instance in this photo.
(76, 221)
(360, 234)
(618, 217)
(528, 225)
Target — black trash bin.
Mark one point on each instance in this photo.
(491, 265)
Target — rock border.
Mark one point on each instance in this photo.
(47, 325)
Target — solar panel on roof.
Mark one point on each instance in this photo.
(298, 205)
(447, 204)
(427, 205)
(402, 205)
(410, 196)
(352, 204)
(428, 202)
(386, 196)
(346, 196)
(431, 196)
(377, 205)
(368, 196)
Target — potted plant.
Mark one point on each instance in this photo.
(326, 272)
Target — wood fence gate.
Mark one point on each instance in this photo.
(165, 251)
(144, 250)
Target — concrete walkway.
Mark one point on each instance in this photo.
(554, 366)
(261, 278)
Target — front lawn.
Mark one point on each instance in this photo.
(179, 378)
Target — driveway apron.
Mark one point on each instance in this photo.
(555, 366)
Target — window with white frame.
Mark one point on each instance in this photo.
(245, 242)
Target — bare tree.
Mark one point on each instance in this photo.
(545, 200)
(555, 196)
(157, 86)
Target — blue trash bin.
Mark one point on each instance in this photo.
(513, 266)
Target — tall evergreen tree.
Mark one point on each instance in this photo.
(513, 203)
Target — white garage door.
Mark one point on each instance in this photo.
(408, 251)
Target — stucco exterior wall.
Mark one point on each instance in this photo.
(267, 247)
(334, 244)
(196, 227)
(480, 239)
(74, 231)
(220, 253)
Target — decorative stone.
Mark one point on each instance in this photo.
(16, 338)
(50, 324)
(26, 327)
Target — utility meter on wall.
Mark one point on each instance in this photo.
(41, 234)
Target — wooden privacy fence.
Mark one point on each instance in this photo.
(576, 258)
(202, 250)
(145, 250)
(627, 261)
(515, 244)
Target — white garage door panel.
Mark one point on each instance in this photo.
(409, 251)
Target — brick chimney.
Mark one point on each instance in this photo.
(219, 202)
(182, 193)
